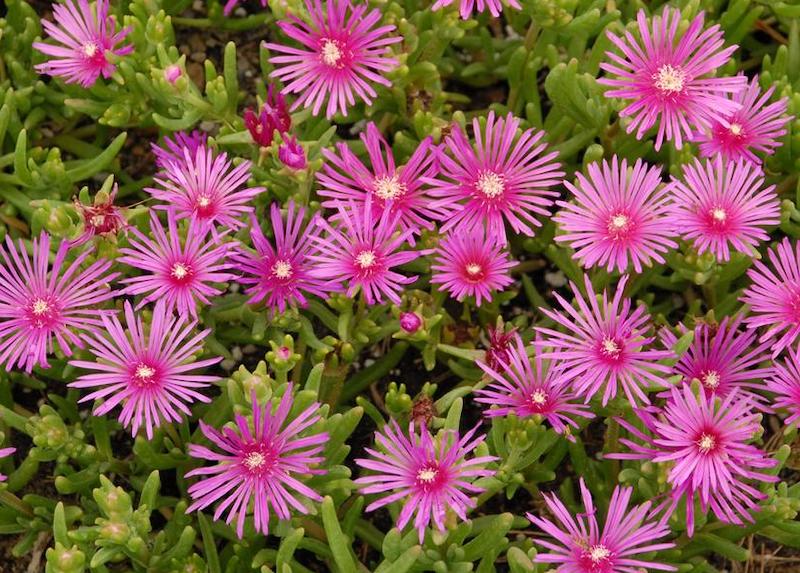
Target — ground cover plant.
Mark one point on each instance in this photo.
(399, 286)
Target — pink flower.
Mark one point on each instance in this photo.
(292, 154)
(471, 263)
(43, 304)
(720, 204)
(178, 271)
(604, 345)
(579, 545)
(755, 126)
(172, 150)
(84, 34)
(525, 390)
(466, 7)
(281, 275)
(363, 251)
(410, 322)
(774, 296)
(345, 54)
(504, 178)
(429, 475)
(261, 465)
(668, 78)
(618, 215)
(344, 177)
(4, 453)
(172, 73)
(705, 440)
(498, 353)
(784, 382)
(147, 370)
(274, 116)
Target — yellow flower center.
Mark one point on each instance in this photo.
(473, 269)
(389, 188)
(706, 443)
(719, 214)
(491, 184)
(366, 259)
(203, 201)
(711, 379)
(90, 49)
(427, 475)
(40, 307)
(254, 460)
(145, 373)
(179, 271)
(330, 53)
(669, 80)
(282, 269)
(736, 129)
(610, 347)
(598, 552)
(539, 397)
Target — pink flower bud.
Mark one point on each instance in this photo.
(410, 322)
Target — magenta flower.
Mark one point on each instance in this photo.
(755, 126)
(429, 475)
(410, 322)
(604, 345)
(668, 78)
(774, 296)
(466, 7)
(345, 55)
(172, 150)
(292, 154)
(177, 270)
(504, 178)
(580, 546)
(274, 115)
(84, 34)
(619, 215)
(147, 370)
(784, 382)
(498, 353)
(471, 263)
(43, 304)
(363, 250)
(525, 390)
(718, 205)
(4, 453)
(281, 275)
(344, 178)
(259, 465)
(705, 440)
(206, 187)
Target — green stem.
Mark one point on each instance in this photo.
(12, 501)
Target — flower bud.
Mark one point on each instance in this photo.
(410, 322)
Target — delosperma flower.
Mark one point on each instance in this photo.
(180, 270)
(531, 389)
(667, 77)
(4, 453)
(618, 216)
(43, 304)
(718, 205)
(398, 188)
(429, 475)
(344, 54)
(467, 7)
(274, 115)
(580, 545)
(774, 296)
(755, 127)
(260, 464)
(83, 34)
(471, 263)
(292, 154)
(784, 383)
(505, 177)
(172, 149)
(498, 351)
(151, 371)
(604, 345)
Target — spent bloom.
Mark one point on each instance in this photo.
(755, 126)
(171, 151)
(274, 116)
(43, 304)
(718, 205)
(531, 389)
(344, 55)
(604, 345)
(150, 371)
(504, 177)
(102, 217)
(83, 35)
(784, 382)
(668, 77)
(579, 545)
(498, 351)
(363, 251)
(178, 270)
(619, 215)
(430, 475)
(4, 453)
(466, 7)
(292, 154)
(387, 186)
(259, 465)
(471, 263)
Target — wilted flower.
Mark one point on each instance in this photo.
(292, 154)
(784, 382)
(499, 351)
(466, 7)
(102, 217)
(4, 453)
(274, 116)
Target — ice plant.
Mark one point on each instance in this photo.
(531, 389)
(280, 272)
(292, 154)
(178, 270)
(344, 177)
(430, 475)
(345, 54)
(618, 216)
(718, 205)
(471, 263)
(705, 439)
(259, 464)
(42, 305)
(579, 545)
(467, 7)
(784, 383)
(84, 35)
(504, 178)
(363, 250)
(604, 345)
(4, 453)
(171, 151)
(667, 77)
(149, 370)
(498, 352)
(274, 116)
(755, 127)
(101, 218)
